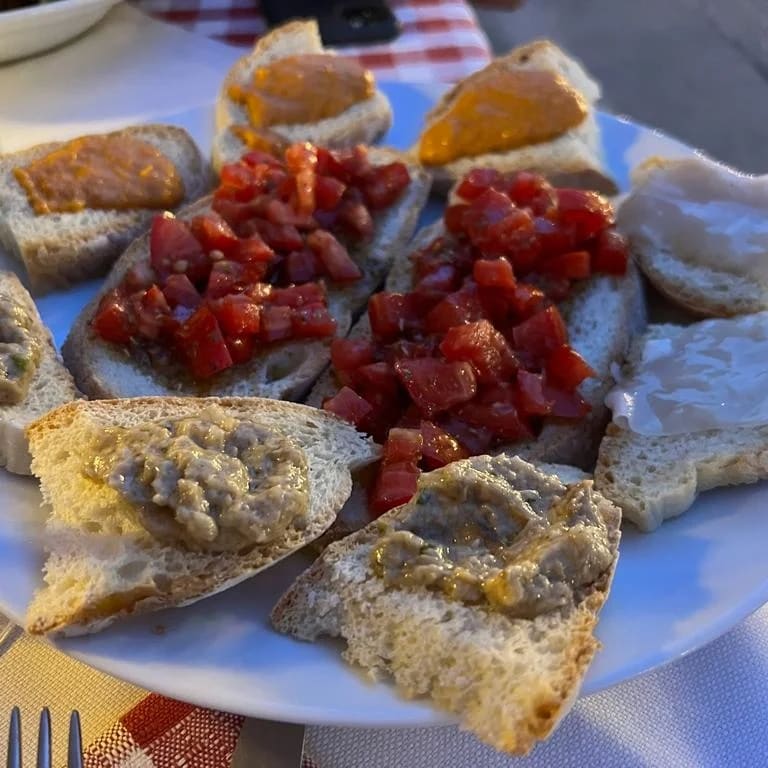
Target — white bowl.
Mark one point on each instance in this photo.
(36, 28)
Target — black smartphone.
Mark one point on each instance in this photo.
(341, 22)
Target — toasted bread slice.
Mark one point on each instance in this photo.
(509, 680)
(284, 371)
(51, 385)
(574, 159)
(602, 315)
(58, 250)
(676, 269)
(654, 478)
(363, 123)
(104, 564)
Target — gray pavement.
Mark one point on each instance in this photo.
(697, 69)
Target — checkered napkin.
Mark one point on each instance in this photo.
(440, 41)
(162, 733)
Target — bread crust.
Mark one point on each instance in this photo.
(59, 250)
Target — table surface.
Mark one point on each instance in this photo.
(705, 710)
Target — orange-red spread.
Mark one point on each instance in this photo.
(107, 172)
(262, 140)
(303, 89)
(498, 110)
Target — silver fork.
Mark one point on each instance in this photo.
(74, 751)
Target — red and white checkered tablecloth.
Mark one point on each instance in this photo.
(440, 41)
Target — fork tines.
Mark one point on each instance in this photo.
(74, 752)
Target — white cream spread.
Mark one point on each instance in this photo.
(701, 212)
(709, 375)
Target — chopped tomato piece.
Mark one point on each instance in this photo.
(328, 192)
(355, 219)
(386, 314)
(475, 439)
(153, 315)
(531, 191)
(552, 237)
(200, 340)
(610, 253)
(311, 321)
(281, 237)
(502, 419)
(173, 248)
(298, 295)
(349, 354)
(525, 300)
(455, 309)
(477, 181)
(348, 405)
(112, 320)
(276, 323)
(238, 315)
(301, 160)
(395, 485)
(566, 405)
(301, 266)
(454, 218)
(385, 185)
(334, 256)
(252, 248)
(573, 265)
(541, 333)
(238, 177)
(436, 385)
(232, 277)
(531, 395)
(241, 348)
(482, 345)
(179, 291)
(213, 233)
(139, 276)
(495, 273)
(256, 157)
(439, 448)
(403, 445)
(444, 279)
(566, 368)
(586, 213)
(377, 382)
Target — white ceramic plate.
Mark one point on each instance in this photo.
(674, 590)
(36, 28)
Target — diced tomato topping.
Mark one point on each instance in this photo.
(252, 248)
(438, 447)
(454, 218)
(334, 256)
(586, 213)
(139, 276)
(241, 348)
(566, 405)
(349, 354)
(328, 192)
(501, 418)
(541, 333)
(385, 312)
(403, 446)
(436, 385)
(179, 291)
(495, 273)
(298, 295)
(611, 253)
(567, 368)
(482, 345)
(348, 405)
(531, 395)
(312, 321)
(355, 219)
(214, 234)
(477, 181)
(574, 265)
(474, 439)
(301, 266)
(377, 382)
(457, 308)
(276, 323)
(153, 315)
(395, 485)
(238, 315)
(203, 345)
(174, 249)
(386, 185)
(112, 320)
